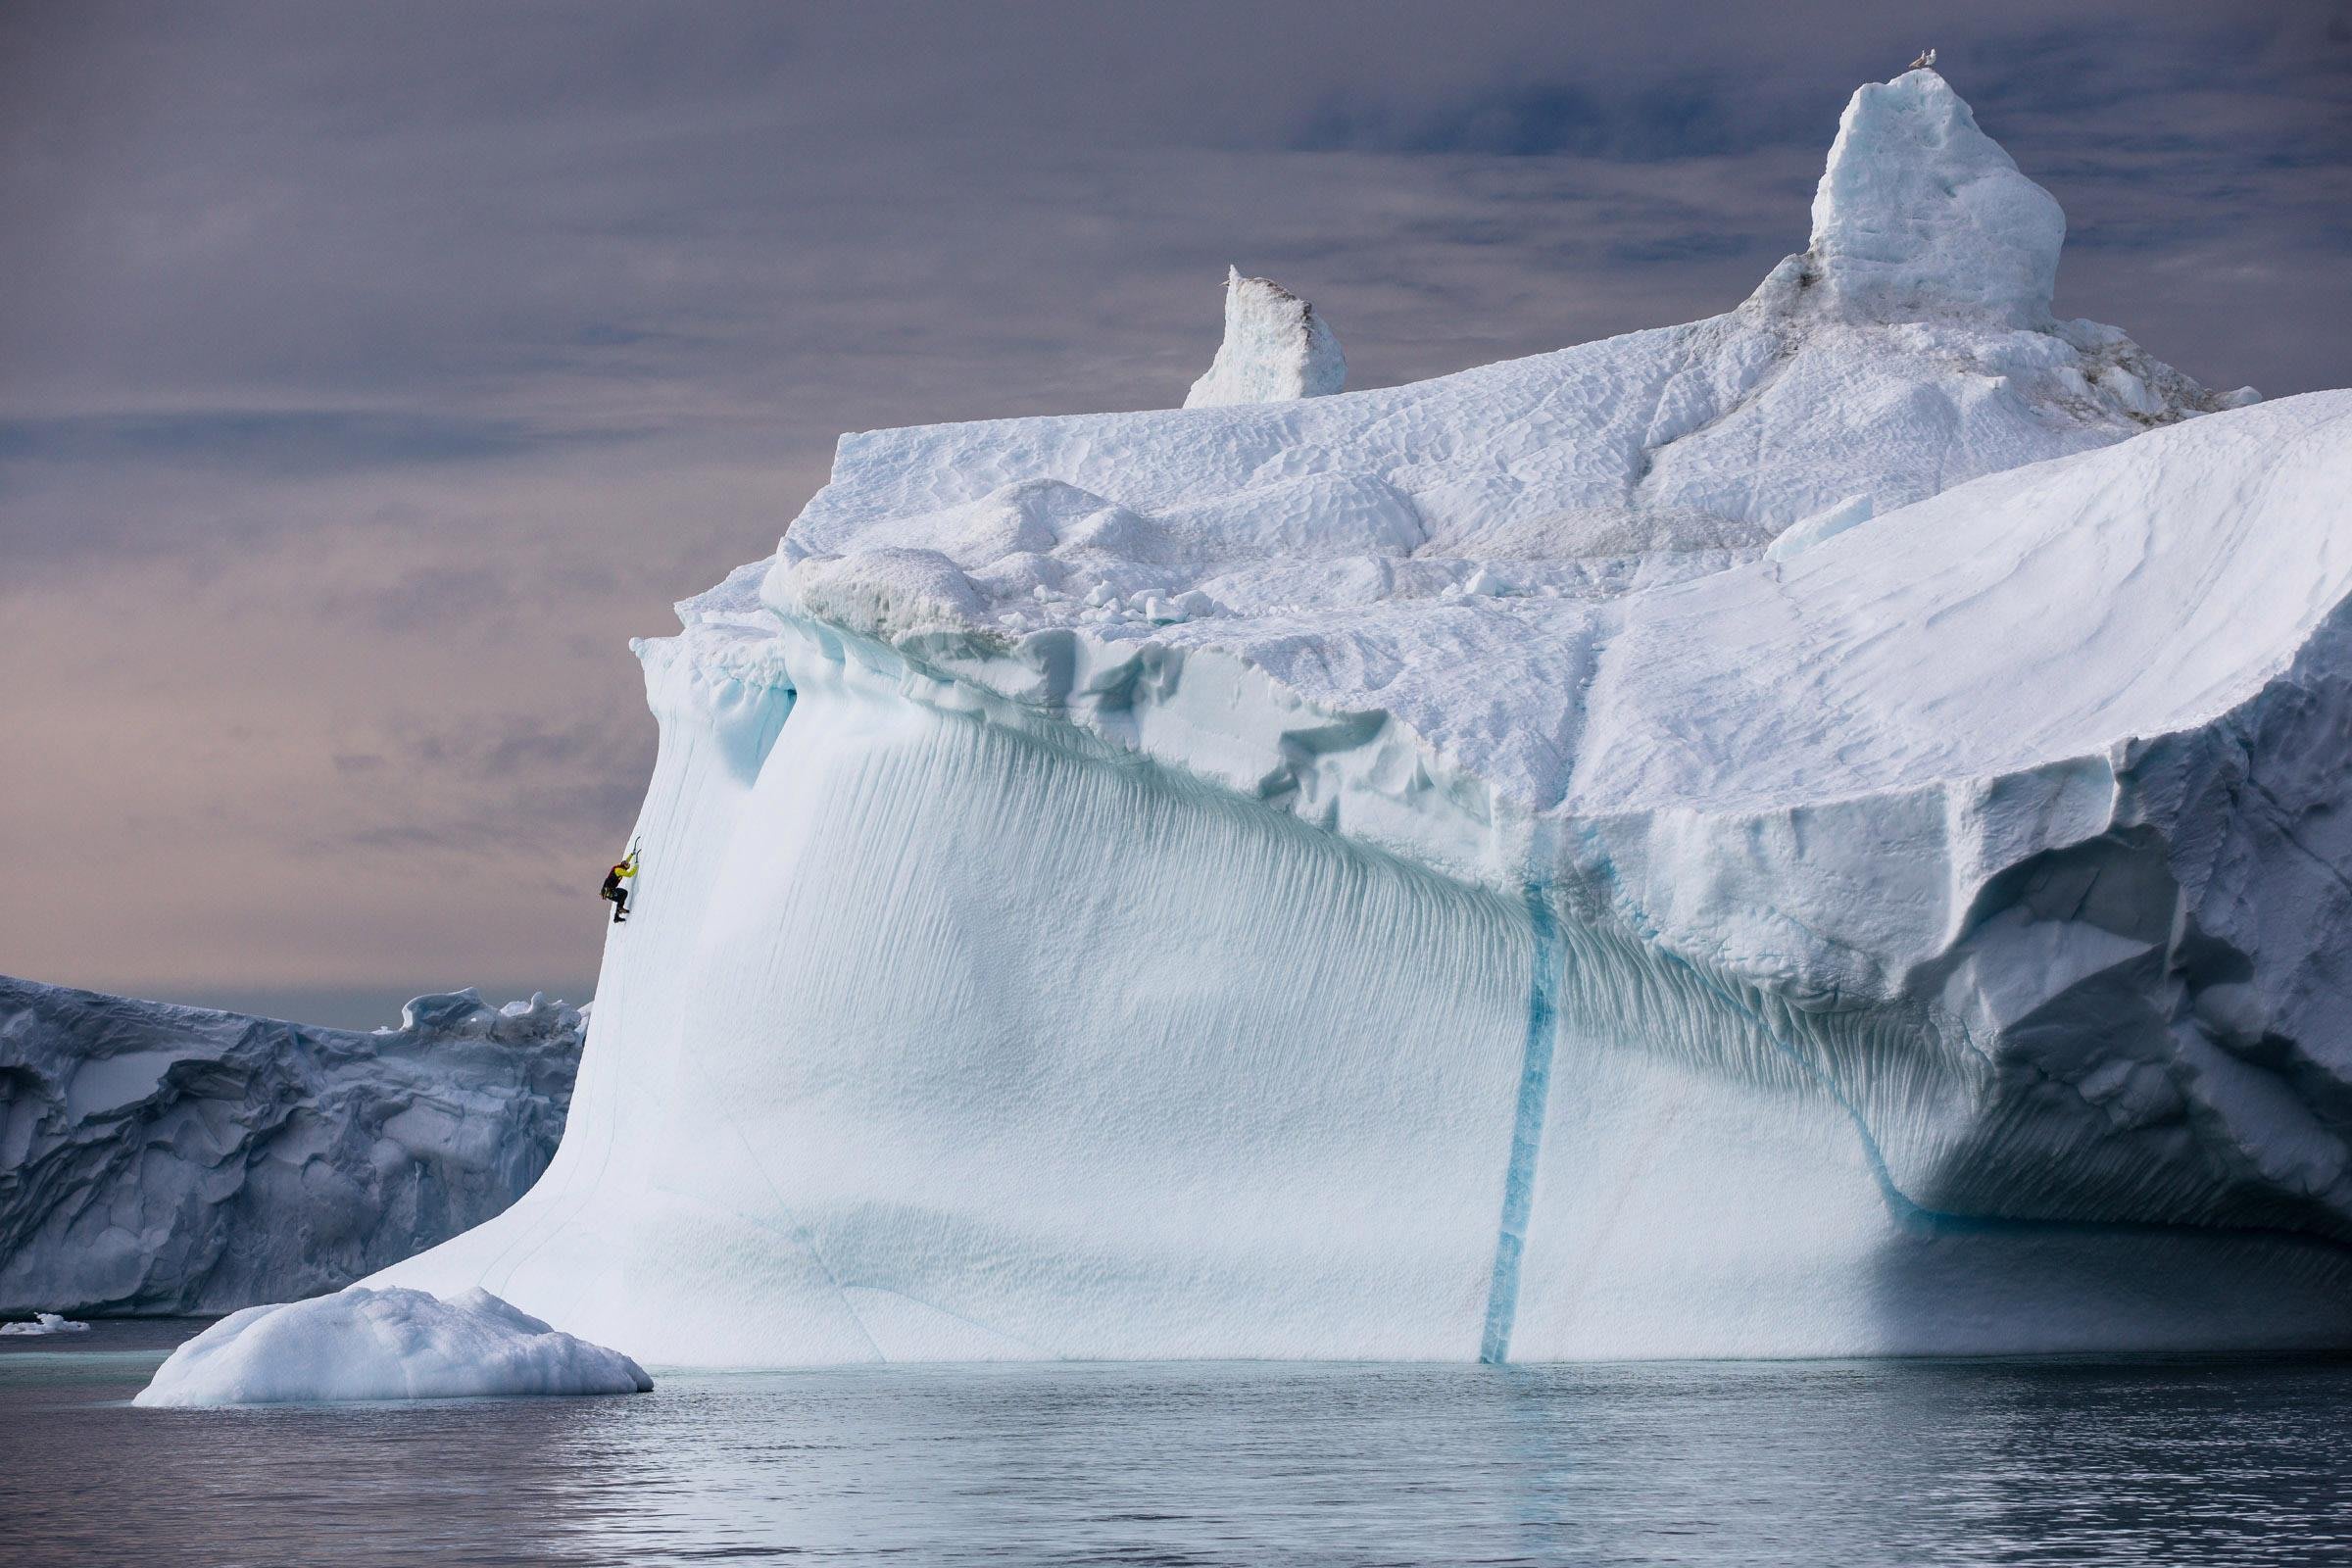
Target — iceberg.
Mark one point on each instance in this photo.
(41, 1323)
(163, 1160)
(360, 1343)
(1410, 873)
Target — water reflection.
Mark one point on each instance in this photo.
(1983, 1461)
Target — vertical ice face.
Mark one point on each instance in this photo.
(1920, 213)
(1275, 349)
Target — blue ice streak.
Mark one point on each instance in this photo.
(1527, 1129)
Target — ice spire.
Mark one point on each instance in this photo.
(1276, 348)
(1920, 213)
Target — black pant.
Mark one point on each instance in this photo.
(620, 900)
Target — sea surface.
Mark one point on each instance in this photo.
(2166, 1461)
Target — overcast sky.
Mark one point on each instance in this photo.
(369, 375)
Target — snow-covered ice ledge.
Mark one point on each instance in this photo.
(1404, 873)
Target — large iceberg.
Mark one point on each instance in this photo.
(1405, 874)
(158, 1159)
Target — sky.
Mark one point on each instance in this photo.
(371, 375)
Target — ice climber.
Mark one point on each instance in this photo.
(615, 886)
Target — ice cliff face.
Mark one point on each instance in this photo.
(1276, 348)
(156, 1158)
(1406, 873)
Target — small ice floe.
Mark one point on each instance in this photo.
(46, 1323)
(390, 1343)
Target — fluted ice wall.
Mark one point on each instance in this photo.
(944, 1032)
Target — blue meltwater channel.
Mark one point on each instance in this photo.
(1527, 1126)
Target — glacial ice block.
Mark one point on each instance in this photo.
(1408, 873)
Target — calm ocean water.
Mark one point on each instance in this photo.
(2141, 1460)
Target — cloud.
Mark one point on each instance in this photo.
(271, 442)
(1648, 123)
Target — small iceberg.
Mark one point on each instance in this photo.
(392, 1343)
(46, 1323)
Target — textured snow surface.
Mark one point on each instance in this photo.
(158, 1159)
(1275, 348)
(1452, 553)
(1908, 351)
(1412, 873)
(360, 1343)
